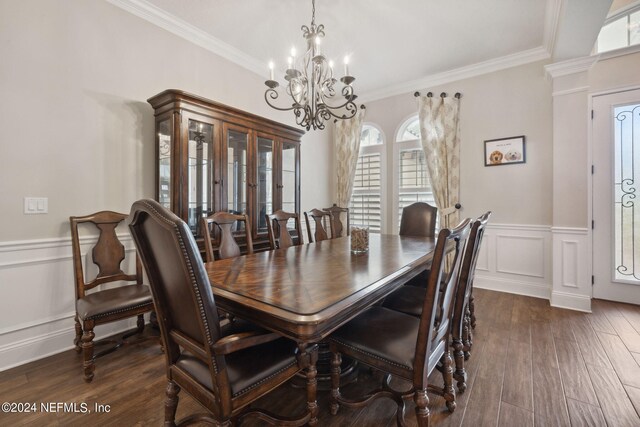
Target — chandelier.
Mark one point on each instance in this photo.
(310, 83)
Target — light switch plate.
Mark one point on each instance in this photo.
(36, 205)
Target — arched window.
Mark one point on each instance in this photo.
(411, 178)
(365, 207)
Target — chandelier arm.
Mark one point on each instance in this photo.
(273, 94)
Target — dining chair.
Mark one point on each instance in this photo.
(224, 223)
(99, 306)
(418, 219)
(408, 299)
(320, 220)
(403, 345)
(339, 221)
(279, 235)
(223, 367)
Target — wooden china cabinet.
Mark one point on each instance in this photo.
(212, 157)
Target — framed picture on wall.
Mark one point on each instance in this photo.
(504, 151)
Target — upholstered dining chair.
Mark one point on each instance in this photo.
(320, 220)
(418, 219)
(339, 220)
(224, 222)
(279, 234)
(408, 299)
(224, 367)
(105, 305)
(403, 345)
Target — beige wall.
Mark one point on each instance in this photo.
(511, 102)
(75, 125)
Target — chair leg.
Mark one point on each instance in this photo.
(466, 335)
(78, 339)
(312, 385)
(472, 310)
(422, 407)
(140, 323)
(336, 361)
(447, 376)
(171, 404)
(88, 363)
(460, 374)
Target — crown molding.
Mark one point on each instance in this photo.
(496, 64)
(551, 22)
(571, 66)
(153, 14)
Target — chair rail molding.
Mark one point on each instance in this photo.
(571, 268)
(37, 277)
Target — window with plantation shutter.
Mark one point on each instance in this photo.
(365, 207)
(411, 178)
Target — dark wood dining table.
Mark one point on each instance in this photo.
(305, 292)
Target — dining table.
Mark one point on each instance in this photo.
(306, 291)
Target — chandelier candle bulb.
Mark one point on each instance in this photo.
(346, 65)
(271, 75)
(359, 240)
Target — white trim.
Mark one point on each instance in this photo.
(619, 13)
(480, 68)
(551, 21)
(571, 301)
(570, 91)
(511, 286)
(611, 91)
(157, 16)
(571, 66)
(623, 51)
(38, 322)
(570, 230)
(526, 227)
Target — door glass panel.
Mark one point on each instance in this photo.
(200, 167)
(289, 177)
(264, 190)
(626, 121)
(237, 144)
(164, 163)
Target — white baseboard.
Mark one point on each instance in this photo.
(571, 301)
(511, 286)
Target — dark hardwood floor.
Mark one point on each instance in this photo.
(531, 365)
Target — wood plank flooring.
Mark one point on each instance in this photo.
(531, 365)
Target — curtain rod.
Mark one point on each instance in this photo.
(442, 95)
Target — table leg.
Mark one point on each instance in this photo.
(312, 383)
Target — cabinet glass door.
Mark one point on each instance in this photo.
(264, 181)
(237, 146)
(289, 176)
(164, 163)
(200, 173)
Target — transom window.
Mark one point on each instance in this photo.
(620, 30)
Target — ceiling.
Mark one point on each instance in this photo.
(395, 45)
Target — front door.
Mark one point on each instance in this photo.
(616, 212)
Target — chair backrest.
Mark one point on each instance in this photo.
(320, 218)
(418, 219)
(187, 313)
(467, 271)
(107, 254)
(437, 309)
(277, 228)
(339, 227)
(227, 245)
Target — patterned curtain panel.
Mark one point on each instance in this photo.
(346, 141)
(441, 144)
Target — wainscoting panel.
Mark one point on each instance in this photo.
(571, 269)
(517, 259)
(38, 293)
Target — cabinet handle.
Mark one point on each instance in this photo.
(217, 181)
